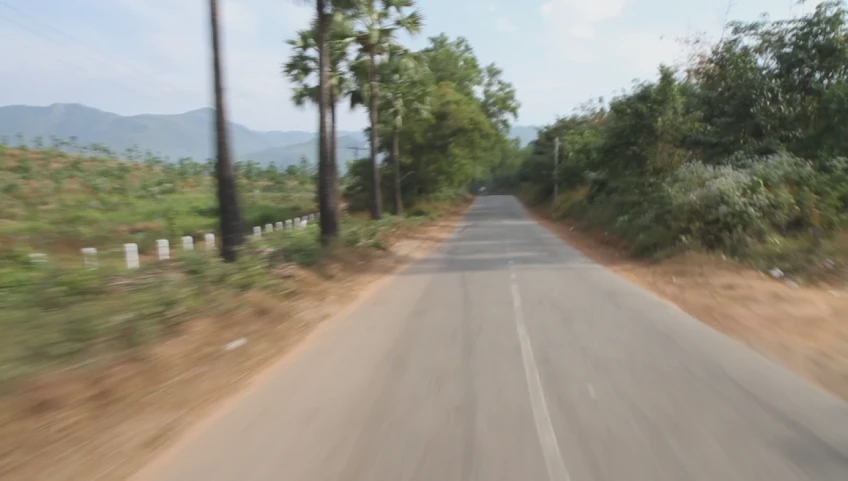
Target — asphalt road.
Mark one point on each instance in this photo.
(508, 356)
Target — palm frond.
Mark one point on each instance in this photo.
(305, 94)
(411, 23)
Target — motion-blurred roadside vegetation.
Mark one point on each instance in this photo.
(57, 312)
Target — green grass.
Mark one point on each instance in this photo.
(57, 203)
(60, 312)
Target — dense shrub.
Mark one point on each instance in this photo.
(717, 206)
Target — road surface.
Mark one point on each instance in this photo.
(508, 356)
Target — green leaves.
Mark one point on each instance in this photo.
(404, 87)
(766, 87)
(499, 100)
(302, 67)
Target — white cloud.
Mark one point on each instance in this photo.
(571, 26)
(579, 18)
(501, 23)
(504, 24)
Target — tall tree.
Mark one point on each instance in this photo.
(327, 172)
(232, 235)
(499, 100)
(377, 24)
(454, 61)
(303, 69)
(404, 91)
(444, 146)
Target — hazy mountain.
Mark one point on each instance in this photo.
(524, 133)
(189, 134)
(183, 135)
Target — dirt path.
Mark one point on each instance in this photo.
(103, 423)
(804, 328)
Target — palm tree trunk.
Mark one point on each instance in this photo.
(335, 154)
(377, 199)
(396, 167)
(327, 172)
(229, 213)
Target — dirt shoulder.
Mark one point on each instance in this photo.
(105, 422)
(804, 328)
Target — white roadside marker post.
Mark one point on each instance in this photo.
(164, 249)
(89, 256)
(131, 252)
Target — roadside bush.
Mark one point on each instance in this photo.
(301, 246)
(720, 207)
(533, 194)
(358, 182)
(572, 203)
(713, 207)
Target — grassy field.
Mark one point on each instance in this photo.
(55, 202)
(60, 313)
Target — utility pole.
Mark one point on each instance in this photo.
(474, 176)
(229, 213)
(356, 151)
(556, 162)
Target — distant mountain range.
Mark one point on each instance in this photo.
(524, 133)
(181, 135)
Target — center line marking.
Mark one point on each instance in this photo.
(541, 415)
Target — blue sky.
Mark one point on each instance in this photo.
(151, 56)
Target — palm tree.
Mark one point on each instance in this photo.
(302, 69)
(327, 172)
(404, 91)
(229, 214)
(377, 24)
(328, 192)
